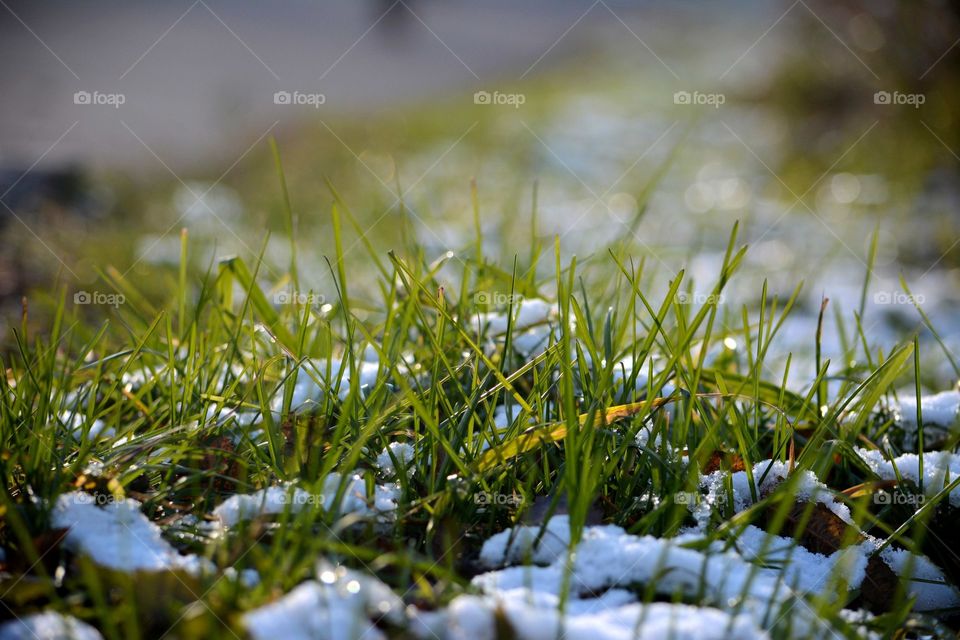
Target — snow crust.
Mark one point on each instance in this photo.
(940, 469)
(48, 625)
(282, 499)
(402, 452)
(340, 605)
(117, 535)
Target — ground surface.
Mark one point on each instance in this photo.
(653, 372)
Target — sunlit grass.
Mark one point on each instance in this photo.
(173, 379)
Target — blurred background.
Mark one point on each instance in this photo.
(818, 125)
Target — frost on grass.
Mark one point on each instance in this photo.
(49, 625)
(117, 535)
(340, 604)
(289, 499)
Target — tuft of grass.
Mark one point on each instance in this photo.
(199, 391)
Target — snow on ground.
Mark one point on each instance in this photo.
(308, 391)
(940, 409)
(117, 535)
(531, 329)
(928, 583)
(809, 572)
(346, 604)
(269, 501)
(940, 413)
(75, 422)
(475, 618)
(281, 499)
(745, 589)
(527, 312)
(505, 414)
(402, 452)
(339, 605)
(625, 369)
(607, 558)
(605, 571)
(762, 576)
(767, 474)
(814, 573)
(940, 469)
(48, 625)
(539, 545)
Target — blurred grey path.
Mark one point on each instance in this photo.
(132, 85)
